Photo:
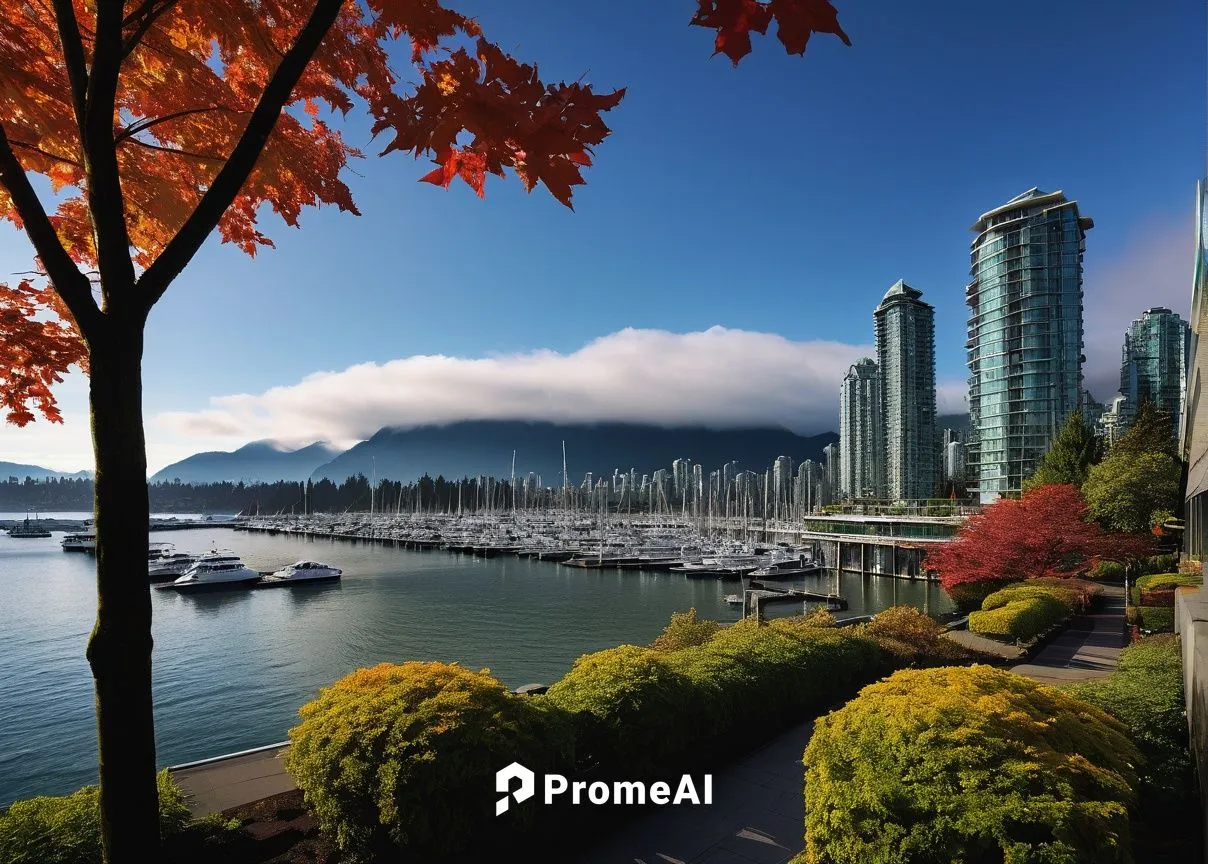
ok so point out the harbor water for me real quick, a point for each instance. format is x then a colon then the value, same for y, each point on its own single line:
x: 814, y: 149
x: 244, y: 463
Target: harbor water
x: 232, y: 668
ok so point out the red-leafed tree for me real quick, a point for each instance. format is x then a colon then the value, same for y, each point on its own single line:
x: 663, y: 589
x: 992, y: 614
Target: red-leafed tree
x: 157, y: 122
x: 1047, y: 532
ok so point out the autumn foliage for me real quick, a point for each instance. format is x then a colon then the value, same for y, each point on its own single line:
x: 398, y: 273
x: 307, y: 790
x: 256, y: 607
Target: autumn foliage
x: 1045, y: 533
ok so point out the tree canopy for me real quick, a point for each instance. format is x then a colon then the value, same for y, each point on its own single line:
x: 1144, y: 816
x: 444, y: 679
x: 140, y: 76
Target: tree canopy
x: 1046, y: 532
x: 1074, y: 451
x: 1138, y: 484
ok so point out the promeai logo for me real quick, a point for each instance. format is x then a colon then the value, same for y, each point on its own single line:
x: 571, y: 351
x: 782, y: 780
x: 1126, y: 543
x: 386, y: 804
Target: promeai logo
x: 600, y: 792
x: 503, y: 783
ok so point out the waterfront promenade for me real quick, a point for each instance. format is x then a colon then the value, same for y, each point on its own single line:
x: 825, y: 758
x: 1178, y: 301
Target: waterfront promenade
x: 758, y: 809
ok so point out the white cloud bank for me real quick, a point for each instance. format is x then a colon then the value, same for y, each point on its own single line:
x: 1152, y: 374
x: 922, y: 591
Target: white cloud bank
x: 718, y: 377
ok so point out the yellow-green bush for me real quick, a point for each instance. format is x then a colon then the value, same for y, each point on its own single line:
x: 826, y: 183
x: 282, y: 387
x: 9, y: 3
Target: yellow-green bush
x: 909, y: 637
x: 969, y: 764
x: 67, y: 829
x: 1020, y: 620
x: 684, y: 631
x: 631, y: 708
x: 1024, y: 590
x: 401, y: 756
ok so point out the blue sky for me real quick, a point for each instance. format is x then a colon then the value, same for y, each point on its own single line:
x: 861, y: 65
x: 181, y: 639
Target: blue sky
x: 782, y: 197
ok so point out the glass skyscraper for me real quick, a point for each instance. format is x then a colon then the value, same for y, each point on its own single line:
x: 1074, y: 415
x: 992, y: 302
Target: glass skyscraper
x: 1025, y: 335
x: 905, y: 334
x: 861, y: 433
x: 1153, y: 363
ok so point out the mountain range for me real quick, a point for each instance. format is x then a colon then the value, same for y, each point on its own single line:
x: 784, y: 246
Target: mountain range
x: 257, y: 462
x: 37, y: 472
x: 474, y: 447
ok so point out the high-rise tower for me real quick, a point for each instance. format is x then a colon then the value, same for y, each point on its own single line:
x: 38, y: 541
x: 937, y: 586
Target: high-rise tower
x: 1025, y: 335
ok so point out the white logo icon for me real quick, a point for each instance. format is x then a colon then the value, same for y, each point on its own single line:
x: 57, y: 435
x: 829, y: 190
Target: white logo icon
x: 503, y: 782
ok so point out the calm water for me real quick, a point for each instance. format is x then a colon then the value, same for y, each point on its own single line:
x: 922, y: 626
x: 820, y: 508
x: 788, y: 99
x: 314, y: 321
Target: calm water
x: 231, y: 669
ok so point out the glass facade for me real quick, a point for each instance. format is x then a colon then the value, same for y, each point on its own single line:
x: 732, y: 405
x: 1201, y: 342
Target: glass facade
x: 1025, y: 335
x: 1193, y: 430
x: 905, y: 333
x: 861, y: 433
x: 1153, y: 364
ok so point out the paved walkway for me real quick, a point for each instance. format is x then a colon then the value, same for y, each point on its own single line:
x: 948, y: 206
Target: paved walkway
x: 1089, y: 648
x: 232, y: 781
x: 757, y: 815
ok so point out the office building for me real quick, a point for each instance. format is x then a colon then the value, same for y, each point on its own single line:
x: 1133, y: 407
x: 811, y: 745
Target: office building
x: 861, y: 433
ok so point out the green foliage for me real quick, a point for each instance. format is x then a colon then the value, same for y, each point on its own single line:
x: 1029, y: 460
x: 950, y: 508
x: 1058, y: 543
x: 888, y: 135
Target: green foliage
x: 67, y: 829
x: 1151, y: 432
x: 1152, y: 619
x: 1020, y: 613
x: 967, y: 765
x: 1125, y: 490
x: 1110, y: 571
x: 911, y: 638
x: 968, y: 596
x: 1157, y: 581
x: 1074, y: 451
x: 1162, y: 564
x: 1145, y: 694
x: 401, y: 756
x: 1068, y: 597
x: 626, y: 701
x: 684, y: 631
x: 1084, y: 590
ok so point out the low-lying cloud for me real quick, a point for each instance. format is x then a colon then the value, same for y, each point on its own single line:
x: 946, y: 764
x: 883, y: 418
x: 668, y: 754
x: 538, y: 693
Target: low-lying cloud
x: 718, y: 377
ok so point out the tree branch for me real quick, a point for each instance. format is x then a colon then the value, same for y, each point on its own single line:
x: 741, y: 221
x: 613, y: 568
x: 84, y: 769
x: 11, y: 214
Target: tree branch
x: 181, y: 249
x: 148, y: 13
x: 202, y: 156
x: 105, y: 202
x: 72, y: 285
x: 147, y: 123
x: 73, y: 57
x: 25, y: 145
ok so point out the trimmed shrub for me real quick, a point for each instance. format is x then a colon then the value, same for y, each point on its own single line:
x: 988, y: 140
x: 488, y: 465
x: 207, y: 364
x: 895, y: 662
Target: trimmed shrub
x: 1108, y: 570
x: 1085, y: 591
x: 1022, y: 619
x: 1068, y: 597
x: 1160, y: 564
x: 1158, y: 589
x: 631, y: 708
x: 1145, y: 693
x: 398, y: 756
x: 968, y: 596
x: 967, y: 764
x: 67, y: 829
x: 909, y: 637
x: 1157, y: 619
x: 684, y: 631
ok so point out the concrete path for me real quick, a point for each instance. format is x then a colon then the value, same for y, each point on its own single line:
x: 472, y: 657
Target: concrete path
x: 757, y: 815
x: 214, y: 785
x: 1089, y: 648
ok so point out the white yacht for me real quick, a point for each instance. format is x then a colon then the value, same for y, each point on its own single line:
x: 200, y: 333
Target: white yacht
x: 218, y: 569
x: 164, y: 563
x: 301, y: 571
x: 81, y: 542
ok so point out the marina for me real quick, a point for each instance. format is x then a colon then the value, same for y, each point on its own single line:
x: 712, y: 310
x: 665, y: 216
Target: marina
x: 231, y: 668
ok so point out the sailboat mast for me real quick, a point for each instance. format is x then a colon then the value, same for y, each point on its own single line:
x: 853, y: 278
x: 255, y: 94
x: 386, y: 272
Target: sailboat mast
x: 513, y: 482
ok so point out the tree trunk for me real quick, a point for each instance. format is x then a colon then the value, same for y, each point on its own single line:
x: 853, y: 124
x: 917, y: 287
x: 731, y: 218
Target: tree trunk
x: 119, y: 650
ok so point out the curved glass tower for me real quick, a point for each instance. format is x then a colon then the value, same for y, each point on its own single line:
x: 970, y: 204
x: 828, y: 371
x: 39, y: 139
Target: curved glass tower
x: 1025, y: 335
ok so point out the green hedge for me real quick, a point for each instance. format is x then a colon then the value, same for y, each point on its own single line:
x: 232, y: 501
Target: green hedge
x: 1026, y: 590
x: 1111, y: 570
x: 1152, y: 619
x: 1020, y: 620
x: 401, y: 756
x: 1160, y: 563
x: 1146, y: 694
x: 910, y: 638
x: 967, y: 764
x: 1157, y: 589
x: 67, y: 829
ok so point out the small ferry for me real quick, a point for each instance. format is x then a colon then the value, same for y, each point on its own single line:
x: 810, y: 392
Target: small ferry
x: 213, y: 571
x: 28, y: 528
x: 84, y: 541
x: 300, y: 572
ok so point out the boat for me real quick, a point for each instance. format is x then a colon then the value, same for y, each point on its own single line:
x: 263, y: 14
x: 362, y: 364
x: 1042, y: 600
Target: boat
x: 215, y: 570
x: 164, y: 563
x: 29, y: 529
x: 300, y: 572
x: 800, y: 566
x: 84, y: 541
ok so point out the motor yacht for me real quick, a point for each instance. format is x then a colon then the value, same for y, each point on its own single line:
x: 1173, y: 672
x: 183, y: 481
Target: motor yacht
x: 300, y: 572
x: 799, y: 566
x: 80, y: 542
x: 217, y: 569
x: 164, y: 563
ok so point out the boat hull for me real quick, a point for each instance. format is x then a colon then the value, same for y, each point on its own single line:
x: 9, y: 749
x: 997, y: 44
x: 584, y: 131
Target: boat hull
x: 266, y: 582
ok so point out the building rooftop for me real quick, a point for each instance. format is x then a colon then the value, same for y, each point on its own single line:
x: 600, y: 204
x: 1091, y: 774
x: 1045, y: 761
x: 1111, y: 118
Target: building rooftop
x: 901, y: 289
x: 1035, y: 198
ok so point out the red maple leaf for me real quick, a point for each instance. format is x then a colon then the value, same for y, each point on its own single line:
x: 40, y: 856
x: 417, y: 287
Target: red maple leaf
x: 736, y: 20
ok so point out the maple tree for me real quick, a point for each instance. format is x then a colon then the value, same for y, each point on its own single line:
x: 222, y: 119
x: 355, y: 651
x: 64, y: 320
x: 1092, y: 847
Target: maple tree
x: 1045, y: 533
x: 157, y: 122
